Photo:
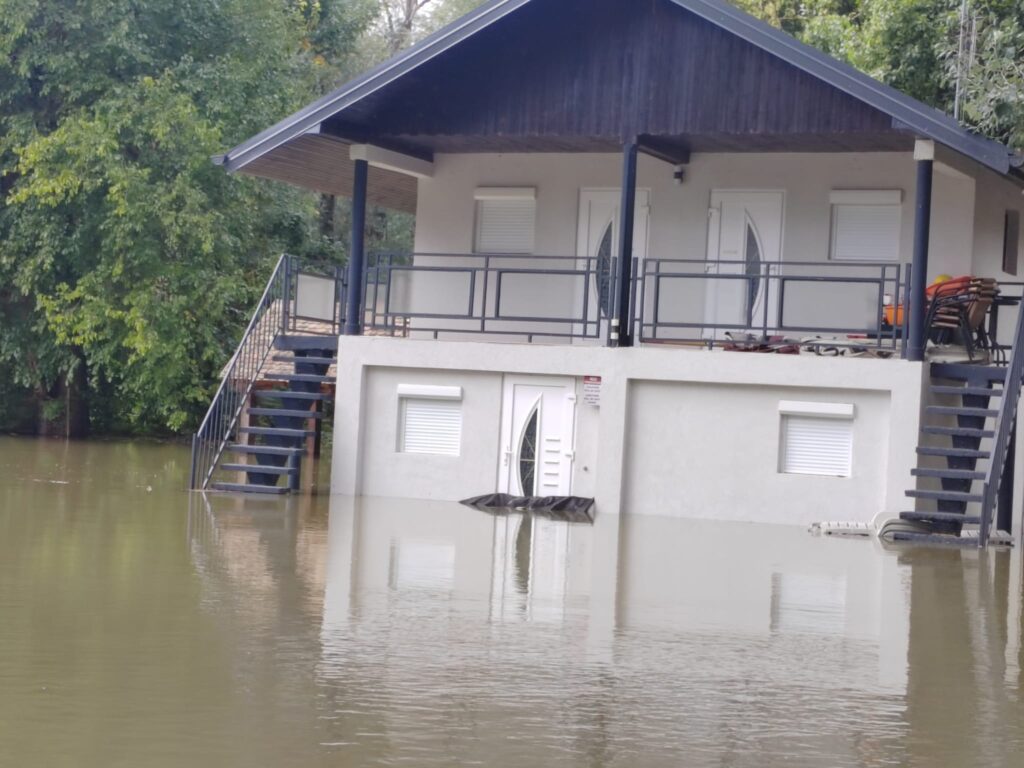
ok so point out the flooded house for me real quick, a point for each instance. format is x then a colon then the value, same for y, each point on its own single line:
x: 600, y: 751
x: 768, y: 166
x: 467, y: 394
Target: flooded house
x: 666, y: 257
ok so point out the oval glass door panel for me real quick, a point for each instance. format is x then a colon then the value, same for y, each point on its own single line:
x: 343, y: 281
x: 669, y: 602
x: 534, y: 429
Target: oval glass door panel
x: 604, y: 271
x: 527, y: 454
x: 753, y: 269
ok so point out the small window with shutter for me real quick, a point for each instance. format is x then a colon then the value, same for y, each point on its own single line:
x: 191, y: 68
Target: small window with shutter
x: 816, y: 438
x: 505, y: 219
x: 866, y: 224
x: 430, y: 420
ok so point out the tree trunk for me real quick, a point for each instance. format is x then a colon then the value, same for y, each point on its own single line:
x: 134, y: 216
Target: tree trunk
x: 63, y: 410
x: 328, y: 203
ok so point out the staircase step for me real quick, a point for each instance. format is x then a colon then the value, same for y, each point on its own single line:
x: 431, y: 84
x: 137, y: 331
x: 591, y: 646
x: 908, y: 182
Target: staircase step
x: 949, y: 474
x: 277, y: 431
x: 941, y: 539
x: 963, y: 496
x: 941, y: 517
x: 961, y: 410
x: 975, y: 391
x: 968, y: 372
x: 311, y: 360
x: 268, y: 450
x: 962, y: 453
x: 250, y: 488
x: 277, y: 394
x: 285, y: 412
x: 310, y: 377
x: 263, y: 469
x: 959, y: 431
x: 314, y: 343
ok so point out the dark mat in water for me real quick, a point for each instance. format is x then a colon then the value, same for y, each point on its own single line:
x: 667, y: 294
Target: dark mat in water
x: 572, y: 509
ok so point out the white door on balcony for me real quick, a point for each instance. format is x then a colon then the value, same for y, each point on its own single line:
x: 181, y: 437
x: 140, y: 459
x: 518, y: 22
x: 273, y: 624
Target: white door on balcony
x: 597, y: 239
x: 744, y: 232
x: 537, y: 426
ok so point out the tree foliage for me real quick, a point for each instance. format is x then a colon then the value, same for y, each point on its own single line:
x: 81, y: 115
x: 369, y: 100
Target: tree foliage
x: 128, y: 262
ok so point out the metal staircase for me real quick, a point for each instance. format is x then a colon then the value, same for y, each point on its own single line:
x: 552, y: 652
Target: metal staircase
x: 268, y: 412
x: 282, y: 426
x: 974, y: 439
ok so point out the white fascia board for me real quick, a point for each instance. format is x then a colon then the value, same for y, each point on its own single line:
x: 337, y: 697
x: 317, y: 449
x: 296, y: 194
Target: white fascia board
x: 505, y: 193
x: 389, y: 160
x: 865, y: 196
x: 822, y: 410
x: 429, y: 391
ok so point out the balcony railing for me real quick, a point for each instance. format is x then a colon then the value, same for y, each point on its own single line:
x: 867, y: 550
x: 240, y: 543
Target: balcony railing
x: 570, y: 297
x: 808, y: 302
x: 530, y: 296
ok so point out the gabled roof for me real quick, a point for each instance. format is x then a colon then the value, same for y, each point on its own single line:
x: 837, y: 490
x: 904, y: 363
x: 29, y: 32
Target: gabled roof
x: 907, y: 113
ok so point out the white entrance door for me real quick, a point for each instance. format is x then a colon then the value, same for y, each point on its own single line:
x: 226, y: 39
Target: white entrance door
x: 744, y: 232
x: 537, y: 427
x: 597, y: 238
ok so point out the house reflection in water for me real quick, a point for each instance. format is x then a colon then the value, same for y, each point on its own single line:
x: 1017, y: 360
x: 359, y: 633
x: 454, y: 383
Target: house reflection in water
x: 448, y: 635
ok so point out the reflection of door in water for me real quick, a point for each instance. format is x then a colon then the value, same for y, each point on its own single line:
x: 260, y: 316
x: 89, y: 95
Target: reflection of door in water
x: 530, y: 568
x: 538, y: 415
x: 598, y: 238
x: 744, y: 232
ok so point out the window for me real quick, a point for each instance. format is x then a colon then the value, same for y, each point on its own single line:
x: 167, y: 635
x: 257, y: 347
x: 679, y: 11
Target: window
x: 1011, y: 241
x: 505, y: 219
x: 866, y: 224
x: 430, y: 420
x: 816, y: 439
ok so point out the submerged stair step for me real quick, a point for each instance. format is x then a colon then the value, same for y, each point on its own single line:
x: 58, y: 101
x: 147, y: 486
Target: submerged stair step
x: 974, y: 391
x: 963, y: 496
x: 285, y: 412
x: 263, y: 469
x: 948, y: 474
x: 941, y: 517
x: 961, y: 453
x: 250, y: 488
x: 267, y: 450
x: 277, y: 431
x: 310, y: 377
x: 959, y: 432
x: 308, y: 359
x: 277, y: 394
x: 961, y: 410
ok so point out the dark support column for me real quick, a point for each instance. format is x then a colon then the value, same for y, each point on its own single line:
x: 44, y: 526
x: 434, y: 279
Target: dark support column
x: 919, y: 275
x: 357, y: 253
x: 622, y: 319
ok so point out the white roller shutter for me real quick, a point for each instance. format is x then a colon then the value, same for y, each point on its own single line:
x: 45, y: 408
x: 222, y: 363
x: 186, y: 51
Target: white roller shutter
x: 431, y: 426
x: 812, y: 445
x: 866, y: 225
x: 505, y: 220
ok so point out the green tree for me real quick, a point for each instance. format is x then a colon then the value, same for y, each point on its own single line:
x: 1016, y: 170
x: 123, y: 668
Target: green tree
x: 128, y: 262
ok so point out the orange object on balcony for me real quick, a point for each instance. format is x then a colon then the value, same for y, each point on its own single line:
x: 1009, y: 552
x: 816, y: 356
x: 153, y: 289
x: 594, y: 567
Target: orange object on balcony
x: 944, y: 285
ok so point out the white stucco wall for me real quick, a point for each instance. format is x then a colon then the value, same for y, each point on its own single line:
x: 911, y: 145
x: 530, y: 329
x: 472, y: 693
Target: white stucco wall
x: 678, y: 219
x: 678, y: 432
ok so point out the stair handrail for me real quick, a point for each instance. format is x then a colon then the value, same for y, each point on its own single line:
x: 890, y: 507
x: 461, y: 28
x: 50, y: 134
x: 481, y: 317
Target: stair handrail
x: 1004, y: 423
x: 210, y: 440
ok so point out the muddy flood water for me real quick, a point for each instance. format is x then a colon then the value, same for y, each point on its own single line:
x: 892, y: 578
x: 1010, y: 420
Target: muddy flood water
x: 141, y: 625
